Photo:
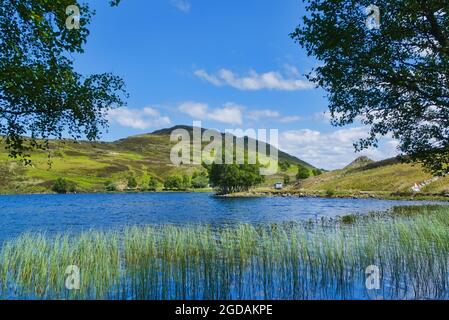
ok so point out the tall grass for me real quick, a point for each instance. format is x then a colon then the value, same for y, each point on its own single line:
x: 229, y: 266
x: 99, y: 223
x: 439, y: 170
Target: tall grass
x: 289, y: 261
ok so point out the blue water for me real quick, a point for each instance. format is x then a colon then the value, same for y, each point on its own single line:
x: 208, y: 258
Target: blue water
x: 78, y: 212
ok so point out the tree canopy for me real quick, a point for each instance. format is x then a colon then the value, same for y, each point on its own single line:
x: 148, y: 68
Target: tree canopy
x: 41, y: 95
x: 230, y: 178
x: 303, y: 173
x: 393, y: 79
x: 63, y: 186
x: 152, y: 184
x: 177, y: 182
x: 200, y: 179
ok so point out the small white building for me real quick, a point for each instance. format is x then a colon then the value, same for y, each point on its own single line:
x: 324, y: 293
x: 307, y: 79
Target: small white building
x: 416, y: 188
x: 278, y: 186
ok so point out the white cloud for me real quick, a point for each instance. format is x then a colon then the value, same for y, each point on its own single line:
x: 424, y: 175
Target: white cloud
x: 194, y: 109
x: 230, y: 113
x: 271, y: 80
x: 181, y: 5
x: 140, y: 119
x: 289, y: 119
x: 291, y: 71
x: 265, y: 113
x: 272, y: 115
x: 332, y: 150
x: 209, y: 78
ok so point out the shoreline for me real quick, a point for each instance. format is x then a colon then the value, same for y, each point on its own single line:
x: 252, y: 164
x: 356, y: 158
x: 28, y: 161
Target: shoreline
x: 264, y: 193
x: 338, y: 195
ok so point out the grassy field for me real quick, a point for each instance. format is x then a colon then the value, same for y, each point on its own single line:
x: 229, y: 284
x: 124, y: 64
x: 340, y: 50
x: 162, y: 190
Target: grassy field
x: 388, y: 176
x: 316, y: 260
x: 91, y: 165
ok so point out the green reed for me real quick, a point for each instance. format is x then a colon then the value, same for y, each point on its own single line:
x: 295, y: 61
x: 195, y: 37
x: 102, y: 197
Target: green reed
x: 274, y: 261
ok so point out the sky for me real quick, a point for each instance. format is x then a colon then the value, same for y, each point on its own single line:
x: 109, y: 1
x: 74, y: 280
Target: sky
x: 229, y: 64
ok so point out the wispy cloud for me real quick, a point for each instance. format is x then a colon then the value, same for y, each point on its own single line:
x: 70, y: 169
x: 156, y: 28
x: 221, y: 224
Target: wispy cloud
x: 181, y: 5
x: 332, y: 150
x: 291, y: 71
x: 273, y: 115
x: 232, y: 113
x: 140, y: 119
x: 263, y: 113
x: 289, y: 119
x: 254, y: 81
x: 229, y: 113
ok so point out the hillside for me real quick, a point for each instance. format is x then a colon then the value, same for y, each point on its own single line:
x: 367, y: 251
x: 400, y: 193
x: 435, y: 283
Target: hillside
x: 383, y: 176
x: 91, y: 165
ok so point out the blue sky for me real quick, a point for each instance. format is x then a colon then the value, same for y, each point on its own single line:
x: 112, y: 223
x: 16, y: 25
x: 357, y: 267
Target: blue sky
x: 229, y: 64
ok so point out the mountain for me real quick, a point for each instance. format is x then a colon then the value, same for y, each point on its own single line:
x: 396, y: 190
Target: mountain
x: 90, y: 165
x: 283, y: 156
x: 363, y: 174
x: 359, y: 163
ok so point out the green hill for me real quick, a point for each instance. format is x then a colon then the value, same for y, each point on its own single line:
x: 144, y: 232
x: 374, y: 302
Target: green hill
x: 90, y: 166
x: 365, y: 175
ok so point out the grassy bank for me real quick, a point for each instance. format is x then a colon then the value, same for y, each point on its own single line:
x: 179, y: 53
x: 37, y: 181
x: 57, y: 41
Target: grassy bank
x: 385, y: 195
x: 387, y: 178
x: 89, y: 166
x: 291, y: 261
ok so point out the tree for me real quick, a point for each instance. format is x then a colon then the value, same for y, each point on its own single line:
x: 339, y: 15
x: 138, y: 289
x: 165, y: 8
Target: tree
x: 230, y: 178
x: 200, y: 180
x: 173, y: 182
x: 111, y: 186
x: 284, y: 165
x: 317, y: 172
x: 152, y: 184
x: 63, y: 186
x: 286, y: 179
x: 132, y: 182
x: 394, y: 79
x: 41, y: 95
x: 186, y: 182
x: 303, y: 173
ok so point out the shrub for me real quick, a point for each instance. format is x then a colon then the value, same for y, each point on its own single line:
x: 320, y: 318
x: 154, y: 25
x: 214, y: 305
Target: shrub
x: 330, y: 193
x: 111, y: 186
x: 173, y: 182
x: 303, y: 173
x: 286, y: 180
x: 63, y: 186
x: 132, y: 182
x: 284, y: 165
x: 152, y: 184
x: 186, y: 182
x: 200, y: 180
x: 317, y: 172
x: 349, y: 219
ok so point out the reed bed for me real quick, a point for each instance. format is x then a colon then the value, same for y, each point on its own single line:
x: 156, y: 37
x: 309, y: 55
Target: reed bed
x: 276, y: 261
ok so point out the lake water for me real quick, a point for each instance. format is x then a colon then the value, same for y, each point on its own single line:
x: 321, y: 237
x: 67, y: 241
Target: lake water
x: 78, y: 212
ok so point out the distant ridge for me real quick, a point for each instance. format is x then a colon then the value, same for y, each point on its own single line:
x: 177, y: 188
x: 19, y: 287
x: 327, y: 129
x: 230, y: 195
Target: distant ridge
x: 282, y: 155
x: 359, y: 163
x: 376, y: 177
x: 168, y: 131
x: 92, y: 165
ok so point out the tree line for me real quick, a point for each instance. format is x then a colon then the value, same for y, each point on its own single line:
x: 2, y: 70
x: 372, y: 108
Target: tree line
x: 224, y: 179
